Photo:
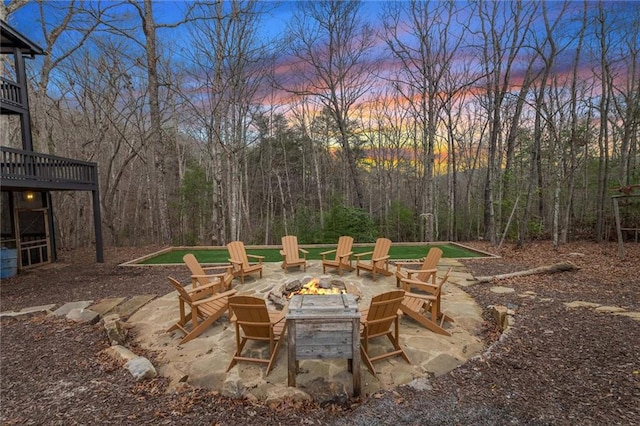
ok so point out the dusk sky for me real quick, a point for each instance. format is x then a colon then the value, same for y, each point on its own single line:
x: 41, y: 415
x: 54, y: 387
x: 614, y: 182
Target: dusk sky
x: 277, y: 15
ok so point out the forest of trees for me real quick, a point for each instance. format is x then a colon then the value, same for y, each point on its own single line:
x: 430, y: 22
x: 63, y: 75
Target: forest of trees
x: 414, y: 120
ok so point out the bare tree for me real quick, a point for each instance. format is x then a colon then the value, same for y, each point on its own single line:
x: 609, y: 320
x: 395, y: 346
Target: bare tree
x: 504, y: 28
x: 7, y: 8
x: 575, y: 138
x: 329, y: 44
x: 105, y: 125
x: 73, y: 17
x: 229, y: 63
x: 304, y: 114
x: 547, y: 50
x: 602, y: 33
x: 426, y: 46
x: 625, y: 92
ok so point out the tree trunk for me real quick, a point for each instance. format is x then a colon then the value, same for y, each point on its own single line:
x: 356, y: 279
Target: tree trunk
x: 548, y: 269
x: 155, y: 130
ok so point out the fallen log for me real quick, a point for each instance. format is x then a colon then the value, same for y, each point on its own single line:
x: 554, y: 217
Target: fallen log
x: 548, y: 269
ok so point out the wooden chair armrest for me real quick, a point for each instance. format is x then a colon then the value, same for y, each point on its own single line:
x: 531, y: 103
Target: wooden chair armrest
x: 221, y: 274
x: 328, y: 252
x: 378, y: 259
x: 358, y: 255
x: 254, y: 256
x: 201, y: 288
x: 235, y: 262
x: 282, y: 253
x: 303, y: 251
x: 408, y: 284
x: 211, y: 268
x: 422, y: 296
x: 419, y: 271
x: 408, y: 263
x: 346, y: 256
x: 215, y: 297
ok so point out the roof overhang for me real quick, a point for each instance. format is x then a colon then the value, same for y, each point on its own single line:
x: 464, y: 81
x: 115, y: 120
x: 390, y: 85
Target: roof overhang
x: 11, y: 39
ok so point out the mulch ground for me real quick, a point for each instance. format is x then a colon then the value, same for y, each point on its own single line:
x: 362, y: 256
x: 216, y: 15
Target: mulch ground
x: 555, y: 366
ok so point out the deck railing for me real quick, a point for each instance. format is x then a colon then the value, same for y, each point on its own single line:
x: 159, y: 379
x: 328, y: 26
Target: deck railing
x: 26, y: 169
x: 10, y: 92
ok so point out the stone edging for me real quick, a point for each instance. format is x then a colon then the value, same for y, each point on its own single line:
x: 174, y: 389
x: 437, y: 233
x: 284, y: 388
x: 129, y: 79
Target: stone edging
x: 139, y: 367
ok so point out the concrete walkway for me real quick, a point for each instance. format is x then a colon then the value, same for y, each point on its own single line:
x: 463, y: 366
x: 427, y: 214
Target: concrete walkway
x: 203, y: 361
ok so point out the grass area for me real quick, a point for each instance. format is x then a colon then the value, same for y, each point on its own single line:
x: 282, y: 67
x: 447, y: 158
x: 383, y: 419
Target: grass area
x: 221, y: 255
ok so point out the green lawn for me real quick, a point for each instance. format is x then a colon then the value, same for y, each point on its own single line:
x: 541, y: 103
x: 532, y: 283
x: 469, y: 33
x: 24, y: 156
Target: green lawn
x: 221, y: 255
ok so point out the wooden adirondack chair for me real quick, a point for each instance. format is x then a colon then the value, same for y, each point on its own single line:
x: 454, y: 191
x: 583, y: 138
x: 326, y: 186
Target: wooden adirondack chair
x: 376, y: 321
x: 342, y: 258
x: 253, y: 321
x: 379, y: 262
x: 199, y: 276
x: 240, y: 260
x: 424, y: 307
x: 205, y: 308
x: 291, y: 253
x: 428, y: 268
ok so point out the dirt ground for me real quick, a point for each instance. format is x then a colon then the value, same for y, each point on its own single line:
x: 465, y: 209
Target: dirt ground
x: 557, y: 365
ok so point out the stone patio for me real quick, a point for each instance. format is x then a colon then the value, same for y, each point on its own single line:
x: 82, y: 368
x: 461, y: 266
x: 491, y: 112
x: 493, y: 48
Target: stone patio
x: 202, y: 362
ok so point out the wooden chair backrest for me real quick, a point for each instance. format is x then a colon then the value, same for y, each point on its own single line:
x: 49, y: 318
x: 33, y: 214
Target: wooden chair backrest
x: 237, y: 253
x: 430, y: 262
x: 195, y: 268
x: 383, y: 310
x: 180, y: 289
x: 381, y: 248
x: 345, y: 243
x: 252, y: 316
x: 290, y: 247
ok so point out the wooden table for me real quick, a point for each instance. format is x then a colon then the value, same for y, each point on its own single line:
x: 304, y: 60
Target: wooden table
x: 323, y: 327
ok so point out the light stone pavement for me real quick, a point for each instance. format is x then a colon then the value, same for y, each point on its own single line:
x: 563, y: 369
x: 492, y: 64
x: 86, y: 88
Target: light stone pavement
x: 203, y: 361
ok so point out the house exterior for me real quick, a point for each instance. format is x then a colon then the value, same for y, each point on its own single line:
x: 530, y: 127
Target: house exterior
x: 28, y: 178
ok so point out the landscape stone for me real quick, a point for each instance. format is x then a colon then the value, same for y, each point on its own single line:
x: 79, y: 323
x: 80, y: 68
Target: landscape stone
x: 119, y: 353
x: 26, y: 312
x: 113, y: 328
x: 63, y: 310
x: 130, y: 306
x: 279, y: 394
x: 83, y: 315
x: 581, y: 304
x: 141, y: 368
x: 174, y: 375
x: 105, y: 305
x: 442, y: 364
x: 502, y: 290
x: 324, y: 391
x: 421, y: 384
x: 232, y: 386
x: 499, y: 315
x: 609, y: 309
x: 632, y: 315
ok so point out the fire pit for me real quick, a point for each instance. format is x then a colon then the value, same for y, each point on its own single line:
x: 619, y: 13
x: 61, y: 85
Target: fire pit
x: 324, y: 285
x: 323, y: 327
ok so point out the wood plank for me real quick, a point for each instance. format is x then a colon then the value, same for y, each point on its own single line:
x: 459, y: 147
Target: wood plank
x: 331, y: 352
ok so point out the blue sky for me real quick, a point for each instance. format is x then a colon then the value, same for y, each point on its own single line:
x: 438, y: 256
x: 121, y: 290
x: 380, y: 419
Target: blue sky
x: 278, y: 14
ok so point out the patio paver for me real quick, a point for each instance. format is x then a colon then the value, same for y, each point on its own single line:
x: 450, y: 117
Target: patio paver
x: 205, y: 358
